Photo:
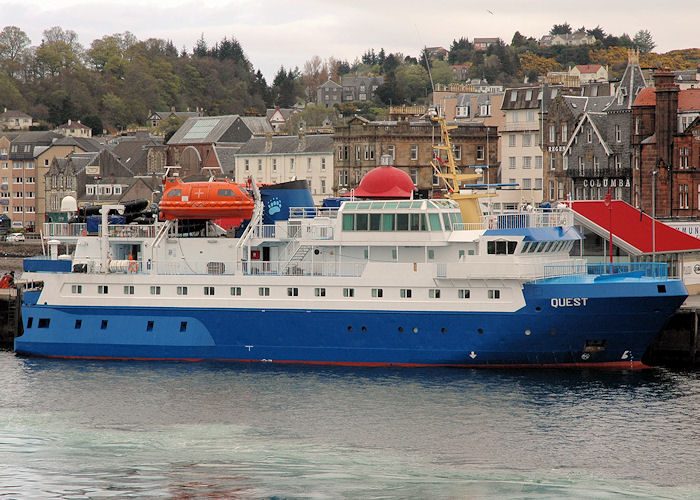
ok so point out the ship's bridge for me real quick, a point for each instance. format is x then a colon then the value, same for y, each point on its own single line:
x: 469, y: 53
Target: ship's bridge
x: 409, y: 215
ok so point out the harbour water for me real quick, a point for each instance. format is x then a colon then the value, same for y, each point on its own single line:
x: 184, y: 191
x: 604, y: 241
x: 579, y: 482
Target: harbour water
x: 83, y: 429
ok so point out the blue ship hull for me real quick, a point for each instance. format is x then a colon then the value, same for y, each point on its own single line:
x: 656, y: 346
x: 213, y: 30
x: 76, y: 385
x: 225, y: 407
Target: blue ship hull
x: 613, y: 326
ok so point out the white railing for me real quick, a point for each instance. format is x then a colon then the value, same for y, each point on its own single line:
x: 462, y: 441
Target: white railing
x: 131, y: 231
x: 532, y: 218
x: 305, y: 268
x: 311, y: 212
x: 265, y: 231
x: 73, y: 230
x: 64, y: 229
x: 188, y: 266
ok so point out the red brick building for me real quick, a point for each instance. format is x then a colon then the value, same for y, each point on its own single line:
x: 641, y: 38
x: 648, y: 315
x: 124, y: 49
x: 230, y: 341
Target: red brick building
x: 666, y: 149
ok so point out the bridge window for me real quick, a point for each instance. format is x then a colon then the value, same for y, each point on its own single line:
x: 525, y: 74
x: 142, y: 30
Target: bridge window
x: 236, y: 291
x: 348, y: 292
x: 406, y: 293
x: 128, y: 289
x: 264, y: 291
x: 182, y: 290
x: 377, y: 293
x: 320, y: 292
x: 292, y: 292
x: 434, y: 293
x: 463, y: 293
x: 501, y: 247
x: 494, y: 294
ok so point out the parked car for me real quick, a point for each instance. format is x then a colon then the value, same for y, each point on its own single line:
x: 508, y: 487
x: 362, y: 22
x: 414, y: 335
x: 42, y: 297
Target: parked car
x: 15, y: 237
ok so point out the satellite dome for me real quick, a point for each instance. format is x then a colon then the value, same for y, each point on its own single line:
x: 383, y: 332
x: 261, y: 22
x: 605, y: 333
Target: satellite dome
x: 385, y: 182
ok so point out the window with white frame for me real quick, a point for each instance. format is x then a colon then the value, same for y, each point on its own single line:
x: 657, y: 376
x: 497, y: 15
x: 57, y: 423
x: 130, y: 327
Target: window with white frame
x: 511, y: 140
x: 392, y: 151
x: 527, y: 161
x: 552, y: 133
x: 618, y: 133
x: 683, y: 198
x: 589, y: 134
x: 527, y: 140
x: 414, y: 152
x: 323, y: 164
x: 457, y: 152
x: 480, y: 152
x: 538, y: 162
x: 564, y: 132
x: 511, y: 162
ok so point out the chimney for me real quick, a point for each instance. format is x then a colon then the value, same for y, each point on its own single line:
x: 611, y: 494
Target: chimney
x: 302, y: 141
x: 666, y: 113
x: 268, y: 142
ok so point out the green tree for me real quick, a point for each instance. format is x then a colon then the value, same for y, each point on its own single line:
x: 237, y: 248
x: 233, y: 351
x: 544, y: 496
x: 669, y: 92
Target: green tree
x: 644, y: 41
x: 560, y: 29
x: 12, y: 42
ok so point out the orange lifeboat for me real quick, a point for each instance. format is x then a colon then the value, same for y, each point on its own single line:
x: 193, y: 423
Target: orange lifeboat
x: 205, y: 200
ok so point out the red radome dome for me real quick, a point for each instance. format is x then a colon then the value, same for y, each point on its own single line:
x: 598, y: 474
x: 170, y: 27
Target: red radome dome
x: 385, y: 182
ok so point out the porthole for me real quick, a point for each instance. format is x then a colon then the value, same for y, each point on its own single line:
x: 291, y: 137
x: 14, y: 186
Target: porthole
x: 527, y: 332
x: 553, y: 332
x: 349, y: 328
x: 415, y: 329
x: 401, y: 328
x: 444, y: 330
x: 538, y: 308
x: 364, y: 328
x: 480, y: 330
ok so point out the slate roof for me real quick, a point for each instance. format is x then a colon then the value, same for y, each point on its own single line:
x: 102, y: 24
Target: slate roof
x: 286, y: 112
x: 227, y: 157
x: 288, y: 145
x: 13, y: 113
x: 257, y: 124
x: 630, y: 85
x: 72, y: 124
x: 84, y: 143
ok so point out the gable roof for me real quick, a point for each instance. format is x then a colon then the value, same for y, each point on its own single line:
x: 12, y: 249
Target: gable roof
x: 631, y: 84
x: 631, y: 228
x: 198, y: 130
x: 597, y: 122
x: 84, y: 143
x: 257, y: 124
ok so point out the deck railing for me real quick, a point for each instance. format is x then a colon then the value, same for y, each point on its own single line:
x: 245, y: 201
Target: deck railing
x: 658, y: 270
x: 311, y: 212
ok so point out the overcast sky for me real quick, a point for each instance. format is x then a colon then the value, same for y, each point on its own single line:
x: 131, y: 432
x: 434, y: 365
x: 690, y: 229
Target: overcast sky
x: 276, y: 33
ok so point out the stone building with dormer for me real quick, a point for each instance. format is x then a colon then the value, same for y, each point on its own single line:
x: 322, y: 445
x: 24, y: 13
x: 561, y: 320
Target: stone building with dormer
x: 360, y: 143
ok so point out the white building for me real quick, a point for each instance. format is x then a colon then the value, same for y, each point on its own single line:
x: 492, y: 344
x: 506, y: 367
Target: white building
x: 273, y: 159
x: 521, y: 155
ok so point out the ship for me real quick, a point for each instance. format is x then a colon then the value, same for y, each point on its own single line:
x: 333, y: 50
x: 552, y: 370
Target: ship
x: 369, y: 282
